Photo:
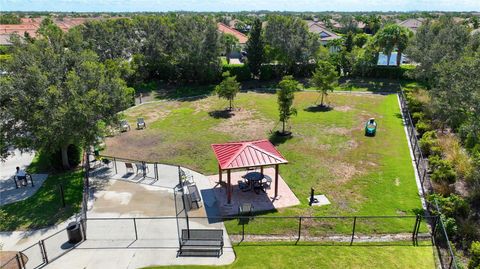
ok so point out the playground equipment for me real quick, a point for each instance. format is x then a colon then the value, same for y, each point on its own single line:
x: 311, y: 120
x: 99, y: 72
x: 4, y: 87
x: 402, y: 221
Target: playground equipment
x: 370, y: 127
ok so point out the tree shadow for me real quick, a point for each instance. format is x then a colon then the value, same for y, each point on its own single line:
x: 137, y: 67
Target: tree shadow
x: 318, y: 108
x: 276, y: 138
x: 221, y: 114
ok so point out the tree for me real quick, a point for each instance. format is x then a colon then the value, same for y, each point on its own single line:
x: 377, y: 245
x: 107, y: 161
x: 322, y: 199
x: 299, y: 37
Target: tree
x: 349, y: 42
x: 230, y: 44
x: 456, y: 95
x: 324, y: 79
x: 434, y: 42
x: 360, y: 40
x: 285, y: 95
x: 290, y: 42
x: 228, y: 88
x: 255, y: 48
x: 54, y: 96
x: 390, y: 37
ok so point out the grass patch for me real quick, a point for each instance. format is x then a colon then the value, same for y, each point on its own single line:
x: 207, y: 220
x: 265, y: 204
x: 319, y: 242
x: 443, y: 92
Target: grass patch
x: 44, y: 208
x: 328, y: 151
x: 277, y: 255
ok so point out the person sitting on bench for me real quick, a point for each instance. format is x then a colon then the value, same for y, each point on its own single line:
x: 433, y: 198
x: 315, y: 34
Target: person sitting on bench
x: 21, y: 176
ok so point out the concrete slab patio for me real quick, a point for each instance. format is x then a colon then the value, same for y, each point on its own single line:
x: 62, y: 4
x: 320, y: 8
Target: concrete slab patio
x: 131, y: 222
x: 261, y: 202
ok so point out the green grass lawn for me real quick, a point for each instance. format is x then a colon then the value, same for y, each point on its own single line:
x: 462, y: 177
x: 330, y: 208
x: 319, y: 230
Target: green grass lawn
x: 44, y: 208
x: 329, y: 152
x: 274, y: 255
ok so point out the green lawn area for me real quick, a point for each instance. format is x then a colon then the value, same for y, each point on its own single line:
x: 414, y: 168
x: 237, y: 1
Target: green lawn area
x: 274, y: 255
x: 329, y: 152
x: 44, y: 208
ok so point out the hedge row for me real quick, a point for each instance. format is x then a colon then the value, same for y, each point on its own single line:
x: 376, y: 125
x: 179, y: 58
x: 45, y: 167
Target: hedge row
x: 267, y: 71
x: 391, y: 72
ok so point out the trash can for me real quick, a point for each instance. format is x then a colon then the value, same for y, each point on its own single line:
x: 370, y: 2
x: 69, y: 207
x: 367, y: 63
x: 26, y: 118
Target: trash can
x: 74, y: 232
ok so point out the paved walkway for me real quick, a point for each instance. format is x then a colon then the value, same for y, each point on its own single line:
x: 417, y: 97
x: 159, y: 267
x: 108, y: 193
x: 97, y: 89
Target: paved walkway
x: 124, y: 242
x: 8, y: 191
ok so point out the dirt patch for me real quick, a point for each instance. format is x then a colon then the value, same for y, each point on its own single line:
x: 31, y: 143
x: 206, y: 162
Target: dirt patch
x: 132, y: 144
x: 352, y: 144
x: 244, y: 124
x: 343, y: 172
x: 343, y: 108
x: 203, y: 105
x: 314, y: 143
x: 337, y: 130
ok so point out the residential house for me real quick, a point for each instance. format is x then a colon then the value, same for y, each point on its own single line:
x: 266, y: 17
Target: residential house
x: 325, y: 35
x: 412, y: 24
x: 30, y: 26
x: 242, y: 38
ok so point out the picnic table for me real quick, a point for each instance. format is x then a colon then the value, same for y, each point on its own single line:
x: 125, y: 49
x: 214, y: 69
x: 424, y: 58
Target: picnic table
x: 254, y: 179
x: 254, y: 176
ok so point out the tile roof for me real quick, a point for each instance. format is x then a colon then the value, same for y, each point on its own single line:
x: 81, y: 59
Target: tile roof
x: 242, y: 39
x: 325, y: 34
x: 247, y: 154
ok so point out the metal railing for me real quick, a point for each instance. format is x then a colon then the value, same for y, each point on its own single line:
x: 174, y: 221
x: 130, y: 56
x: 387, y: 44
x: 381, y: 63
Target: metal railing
x: 42, y: 253
x: 439, y: 235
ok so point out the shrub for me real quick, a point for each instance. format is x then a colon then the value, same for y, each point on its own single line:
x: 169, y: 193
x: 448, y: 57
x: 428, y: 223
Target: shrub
x: 423, y: 126
x: 450, y: 225
x: 417, y: 116
x: 414, y: 105
x: 428, y: 143
x: 241, y: 71
x: 451, y: 206
x: 469, y: 229
x: 474, y: 262
x: 444, y: 173
x: 269, y: 71
x: 392, y: 72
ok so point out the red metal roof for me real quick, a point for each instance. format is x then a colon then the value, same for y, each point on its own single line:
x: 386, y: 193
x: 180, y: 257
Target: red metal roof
x: 247, y: 154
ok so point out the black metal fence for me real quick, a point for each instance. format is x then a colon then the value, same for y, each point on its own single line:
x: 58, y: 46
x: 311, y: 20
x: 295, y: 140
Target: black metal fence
x: 41, y: 253
x: 439, y: 235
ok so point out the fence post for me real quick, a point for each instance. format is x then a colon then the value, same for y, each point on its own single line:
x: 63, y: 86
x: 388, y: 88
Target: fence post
x: 156, y: 171
x: 115, y: 164
x: 43, y: 251
x: 299, y: 229
x: 19, y: 264
x: 243, y: 230
x: 353, y: 229
x: 414, y: 230
x: 135, y: 226
x: 144, y: 165
x: 62, y: 195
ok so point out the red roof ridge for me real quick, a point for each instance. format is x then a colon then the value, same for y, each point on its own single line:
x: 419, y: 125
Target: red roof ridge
x: 267, y: 150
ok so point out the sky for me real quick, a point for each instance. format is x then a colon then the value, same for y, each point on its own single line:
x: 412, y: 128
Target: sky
x: 238, y: 5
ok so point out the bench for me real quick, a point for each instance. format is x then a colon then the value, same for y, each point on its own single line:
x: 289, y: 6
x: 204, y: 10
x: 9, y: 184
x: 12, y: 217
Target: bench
x: 194, y: 195
x: 201, y: 242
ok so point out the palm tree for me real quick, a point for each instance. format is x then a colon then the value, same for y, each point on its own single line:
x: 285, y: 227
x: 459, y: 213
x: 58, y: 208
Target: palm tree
x: 390, y: 37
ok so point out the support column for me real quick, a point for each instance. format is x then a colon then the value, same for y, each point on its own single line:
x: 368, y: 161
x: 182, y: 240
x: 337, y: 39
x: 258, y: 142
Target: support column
x: 229, y: 187
x: 276, y: 180
x: 219, y: 174
x: 261, y: 170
